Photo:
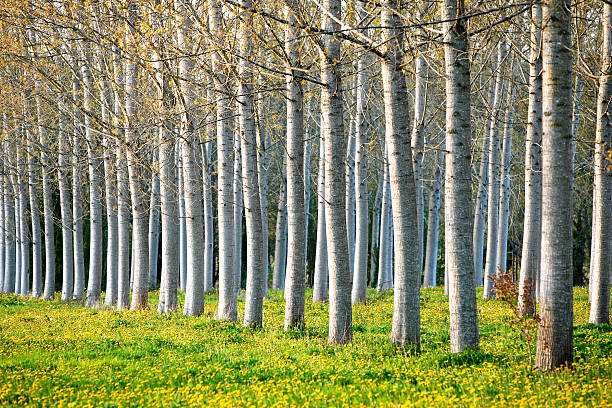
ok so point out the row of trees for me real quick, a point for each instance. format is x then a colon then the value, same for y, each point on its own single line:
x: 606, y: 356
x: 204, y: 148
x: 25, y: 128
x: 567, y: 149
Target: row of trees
x: 133, y: 121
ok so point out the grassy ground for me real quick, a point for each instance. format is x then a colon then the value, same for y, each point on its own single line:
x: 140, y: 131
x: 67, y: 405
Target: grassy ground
x: 54, y: 354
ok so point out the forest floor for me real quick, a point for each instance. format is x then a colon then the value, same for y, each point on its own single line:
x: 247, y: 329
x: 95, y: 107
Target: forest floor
x: 57, y: 354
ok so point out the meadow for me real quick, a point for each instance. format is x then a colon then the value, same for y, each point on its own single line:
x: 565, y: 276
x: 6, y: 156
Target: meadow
x: 58, y: 354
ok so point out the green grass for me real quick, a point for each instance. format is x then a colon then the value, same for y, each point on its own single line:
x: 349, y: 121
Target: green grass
x: 56, y: 354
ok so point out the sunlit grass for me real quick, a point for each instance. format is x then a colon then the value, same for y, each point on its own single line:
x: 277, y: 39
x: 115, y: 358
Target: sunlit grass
x: 55, y: 354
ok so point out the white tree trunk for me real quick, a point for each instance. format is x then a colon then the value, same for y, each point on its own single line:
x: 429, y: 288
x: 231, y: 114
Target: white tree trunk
x: 65, y: 209
x: 37, y: 268
x: 123, y: 193
x: 504, y: 193
x: 140, y: 216
x: 77, y: 192
x: 532, y: 221
x: 332, y: 129
x: 238, y: 208
x: 375, y: 238
x: 457, y: 189
x: 480, y: 214
x: 601, y: 255
x: 154, y: 227
x: 360, y: 268
x: 407, y: 267
x: 433, y: 226
x: 207, y: 170
x: 24, y: 233
x: 555, y: 332
x: 493, y: 194
x: 227, y: 309
x: 256, y: 273
x: 383, y: 246
x: 321, y: 281
x: 280, y: 247
x: 190, y: 153
x: 96, y: 176
x: 168, y: 198
x: 295, y: 284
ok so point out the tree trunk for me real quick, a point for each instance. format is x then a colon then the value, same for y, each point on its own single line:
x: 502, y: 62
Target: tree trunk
x: 227, y: 309
x: 504, y: 193
x: 360, y: 268
x: 238, y: 208
x: 77, y: 192
x: 601, y: 255
x: 168, y: 199
x: 295, y: 283
x: 457, y: 190
x: 194, y: 293
x: 24, y: 233
x: 123, y: 193
x: 478, y: 234
x: 154, y: 228
x: 407, y: 269
x: 555, y: 332
x: 256, y: 273
x: 493, y: 194
x: 321, y: 280
x: 433, y: 226
x: 66, y: 212
x: 340, y: 312
x: 532, y: 221
x: 37, y: 272
x: 280, y: 247
x: 376, y: 220
x: 383, y: 247
x: 96, y: 214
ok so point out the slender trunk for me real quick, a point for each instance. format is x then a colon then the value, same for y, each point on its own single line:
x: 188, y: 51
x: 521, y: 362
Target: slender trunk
x: 96, y: 214
x: 256, y: 274
x: 3, y: 271
x: 360, y: 268
x: 37, y: 271
x: 457, y: 189
x: 493, y: 194
x: 77, y: 193
x: 263, y: 163
x: 418, y: 131
x: 320, y: 284
x: 194, y: 294
x: 376, y: 230
x: 207, y: 170
x: 24, y: 234
x: 168, y: 198
x: 238, y: 209
x: 407, y: 267
x: 555, y: 332
x: 123, y: 193
x: 478, y: 234
x: 340, y: 312
x: 532, y: 221
x: 350, y: 194
x: 66, y: 212
x: 227, y: 309
x: 383, y: 283
x: 295, y: 284
x: 280, y: 247
x: 433, y: 225
x: 601, y: 255
x: 504, y: 193
x: 9, y: 240
x: 182, y: 222
x: 154, y: 229
x: 140, y: 216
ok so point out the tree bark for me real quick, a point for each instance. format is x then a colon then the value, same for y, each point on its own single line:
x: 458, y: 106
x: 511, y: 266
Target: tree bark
x: 406, y: 300
x: 532, y: 221
x: 295, y: 283
x: 321, y: 279
x: 601, y: 256
x: 433, y: 226
x: 555, y: 332
x: 457, y: 190
x: 340, y: 312
x: 493, y: 194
